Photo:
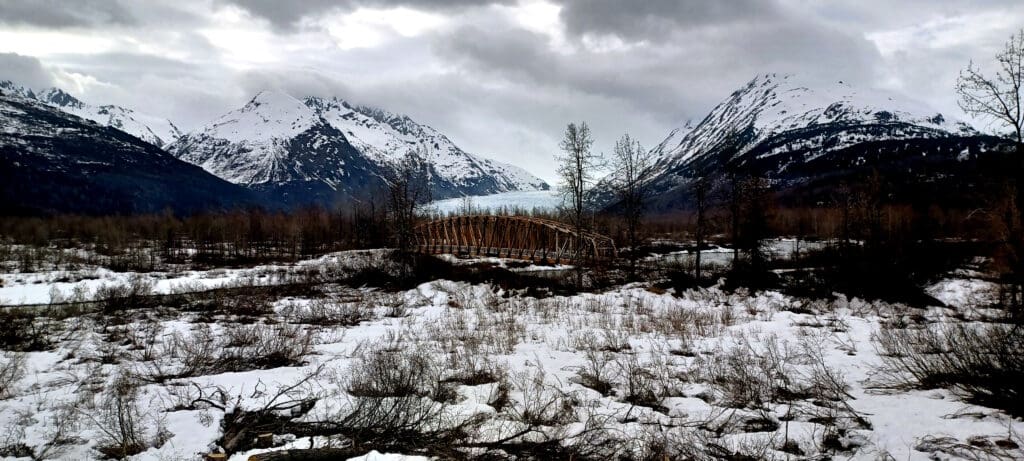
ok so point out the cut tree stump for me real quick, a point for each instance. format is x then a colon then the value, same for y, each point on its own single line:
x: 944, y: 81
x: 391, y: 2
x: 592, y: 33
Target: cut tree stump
x: 265, y: 440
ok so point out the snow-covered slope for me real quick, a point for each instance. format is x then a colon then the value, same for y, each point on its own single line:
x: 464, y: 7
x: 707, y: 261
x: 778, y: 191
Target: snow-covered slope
x: 249, y: 145
x: 387, y: 137
x: 55, y: 162
x: 347, y: 149
x: 779, y: 127
x: 154, y: 130
x: 772, y: 105
x: 277, y: 144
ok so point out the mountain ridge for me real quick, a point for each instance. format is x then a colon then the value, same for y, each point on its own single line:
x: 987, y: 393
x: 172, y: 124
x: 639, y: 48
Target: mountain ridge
x: 253, y: 146
x: 795, y: 134
x: 152, y: 129
x: 55, y: 162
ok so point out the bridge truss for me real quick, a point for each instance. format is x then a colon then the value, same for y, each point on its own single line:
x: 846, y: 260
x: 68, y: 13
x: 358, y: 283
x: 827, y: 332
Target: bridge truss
x: 517, y: 237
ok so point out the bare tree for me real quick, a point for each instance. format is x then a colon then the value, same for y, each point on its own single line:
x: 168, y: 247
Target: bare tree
x: 632, y: 174
x: 701, y: 186
x: 577, y: 165
x: 734, y: 195
x: 754, y: 206
x: 408, y: 189
x: 997, y: 97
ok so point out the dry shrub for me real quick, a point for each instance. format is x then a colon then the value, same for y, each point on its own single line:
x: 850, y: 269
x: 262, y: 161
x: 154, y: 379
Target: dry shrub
x: 12, y: 369
x: 328, y: 312
x: 982, y: 362
x: 60, y: 432
x: 536, y: 404
x: 747, y: 377
x: 24, y: 331
x: 974, y: 448
x: 397, y: 400
x: 478, y: 330
x: 473, y: 369
x: 249, y: 303
x: 762, y: 376
x: 237, y: 348
x: 265, y: 346
x: 642, y: 384
x: 595, y: 372
x: 126, y: 427
x: 136, y: 293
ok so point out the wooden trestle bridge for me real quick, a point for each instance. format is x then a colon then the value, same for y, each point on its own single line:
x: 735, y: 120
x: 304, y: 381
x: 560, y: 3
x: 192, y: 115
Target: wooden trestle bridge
x: 516, y: 237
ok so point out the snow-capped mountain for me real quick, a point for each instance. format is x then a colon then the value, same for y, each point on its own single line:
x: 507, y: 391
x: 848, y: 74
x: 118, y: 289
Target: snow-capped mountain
x: 781, y: 128
x: 387, y: 137
x: 278, y: 145
x: 52, y: 161
x: 154, y: 130
x: 332, y: 150
x: 772, y: 105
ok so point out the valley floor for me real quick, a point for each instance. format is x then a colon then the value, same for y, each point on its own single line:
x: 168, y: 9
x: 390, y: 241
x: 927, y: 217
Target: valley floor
x: 634, y: 372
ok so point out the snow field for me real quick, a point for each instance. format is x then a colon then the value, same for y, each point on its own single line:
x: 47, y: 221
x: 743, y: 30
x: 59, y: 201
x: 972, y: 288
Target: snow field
x: 766, y: 375
x: 546, y: 200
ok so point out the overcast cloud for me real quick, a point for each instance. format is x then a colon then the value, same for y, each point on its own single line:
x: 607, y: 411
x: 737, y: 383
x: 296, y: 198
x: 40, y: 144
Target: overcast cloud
x: 500, y: 78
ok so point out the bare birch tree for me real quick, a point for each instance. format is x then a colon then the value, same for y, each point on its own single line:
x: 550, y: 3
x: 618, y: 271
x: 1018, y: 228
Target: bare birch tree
x: 408, y: 189
x: 997, y: 97
x: 577, y: 167
x: 632, y: 174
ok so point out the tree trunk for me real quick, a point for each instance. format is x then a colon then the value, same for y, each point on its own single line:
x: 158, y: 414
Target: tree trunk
x: 313, y: 454
x: 701, y: 205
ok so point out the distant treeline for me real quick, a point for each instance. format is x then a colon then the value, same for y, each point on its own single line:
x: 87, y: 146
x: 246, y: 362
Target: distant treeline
x: 259, y: 234
x: 224, y: 237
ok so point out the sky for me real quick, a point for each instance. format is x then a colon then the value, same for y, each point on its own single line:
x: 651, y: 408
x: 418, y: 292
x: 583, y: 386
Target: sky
x: 503, y: 78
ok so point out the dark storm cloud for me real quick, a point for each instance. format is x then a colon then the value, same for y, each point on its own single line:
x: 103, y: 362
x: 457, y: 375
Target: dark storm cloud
x: 634, y: 78
x: 24, y: 70
x: 60, y: 14
x: 657, y: 18
x: 687, y: 72
x: 284, y: 14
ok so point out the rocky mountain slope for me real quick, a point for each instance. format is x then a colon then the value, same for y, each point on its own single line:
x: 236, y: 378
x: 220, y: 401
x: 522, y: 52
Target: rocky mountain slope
x: 387, y: 137
x: 154, y: 130
x: 799, y: 135
x: 55, y: 162
x: 278, y: 145
x: 335, y: 151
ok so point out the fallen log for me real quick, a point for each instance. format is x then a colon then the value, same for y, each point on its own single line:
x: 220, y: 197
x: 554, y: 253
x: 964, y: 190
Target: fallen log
x: 310, y: 454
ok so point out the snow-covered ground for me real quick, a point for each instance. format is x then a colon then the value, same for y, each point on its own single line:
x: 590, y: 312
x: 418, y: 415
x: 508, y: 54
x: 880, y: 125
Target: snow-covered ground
x: 42, y: 287
x: 717, y: 256
x: 545, y: 200
x: 676, y: 366
x: 48, y: 286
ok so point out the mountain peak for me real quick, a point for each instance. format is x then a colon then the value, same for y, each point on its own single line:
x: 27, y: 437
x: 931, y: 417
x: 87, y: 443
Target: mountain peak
x: 771, y: 105
x: 278, y: 141
x: 800, y: 131
x: 784, y: 101
x: 269, y: 115
x: 273, y: 102
x: 153, y: 130
x: 60, y: 98
x: 13, y: 89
